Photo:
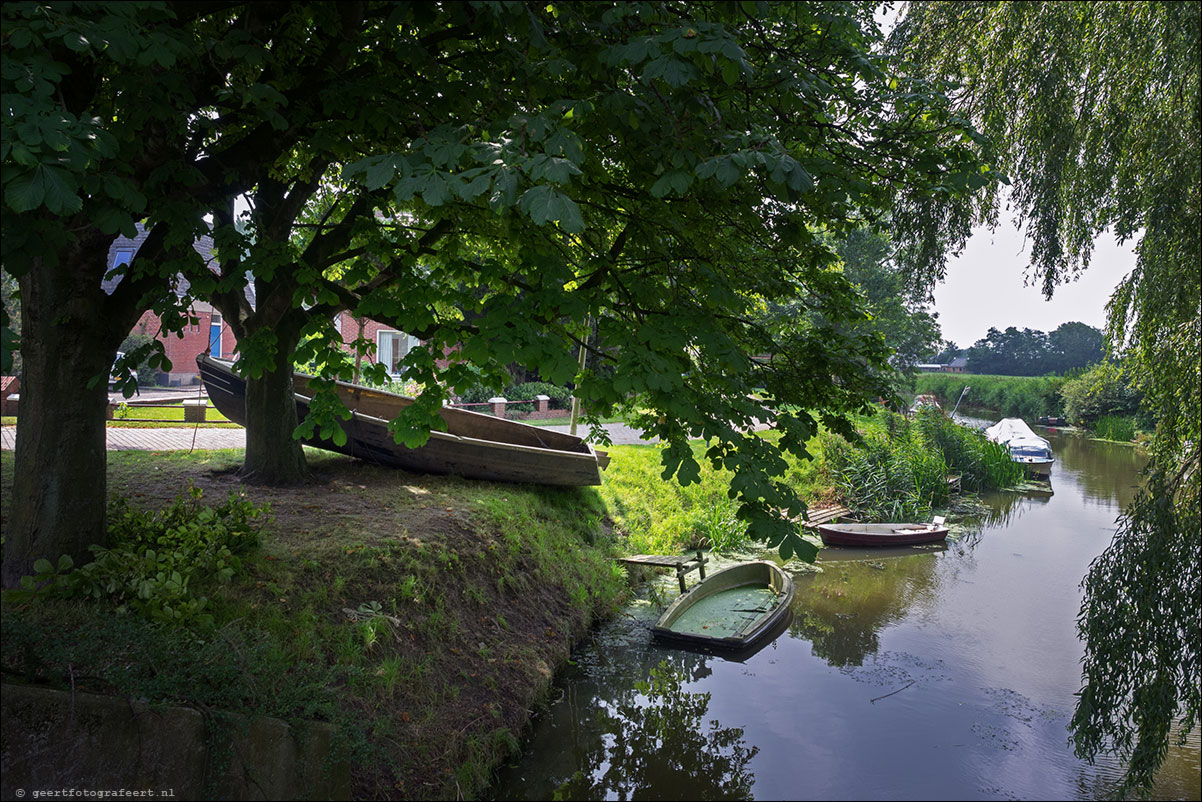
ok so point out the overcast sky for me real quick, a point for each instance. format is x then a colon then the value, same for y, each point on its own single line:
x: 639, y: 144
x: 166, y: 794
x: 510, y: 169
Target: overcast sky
x: 986, y: 287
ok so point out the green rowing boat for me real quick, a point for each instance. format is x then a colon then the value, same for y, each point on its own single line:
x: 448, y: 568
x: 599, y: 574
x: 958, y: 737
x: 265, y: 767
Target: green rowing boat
x: 731, y: 610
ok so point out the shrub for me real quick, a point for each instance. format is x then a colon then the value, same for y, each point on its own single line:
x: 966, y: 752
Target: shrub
x: 560, y: 396
x: 1115, y: 427
x: 1099, y: 392
x: 899, y: 470
x: 158, y: 562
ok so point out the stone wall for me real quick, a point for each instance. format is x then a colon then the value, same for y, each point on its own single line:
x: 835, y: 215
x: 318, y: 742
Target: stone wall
x: 55, y: 741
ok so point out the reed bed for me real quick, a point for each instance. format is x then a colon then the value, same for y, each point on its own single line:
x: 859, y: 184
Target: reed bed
x: 899, y: 469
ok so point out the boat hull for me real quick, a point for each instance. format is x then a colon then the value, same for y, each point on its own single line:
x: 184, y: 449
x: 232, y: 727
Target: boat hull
x: 732, y: 610
x: 886, y: 534
x: 474, y: 446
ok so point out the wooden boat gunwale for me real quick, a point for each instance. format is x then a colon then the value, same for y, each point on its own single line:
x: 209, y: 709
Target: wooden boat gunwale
x: 726, y: 579
x: 368, y: 436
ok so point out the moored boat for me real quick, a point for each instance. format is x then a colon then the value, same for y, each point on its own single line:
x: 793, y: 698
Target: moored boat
x: 731, y: 610
x: 475, y: 446
x: 1027, y: 448
x: 884, y: 534
x: 922, y: 402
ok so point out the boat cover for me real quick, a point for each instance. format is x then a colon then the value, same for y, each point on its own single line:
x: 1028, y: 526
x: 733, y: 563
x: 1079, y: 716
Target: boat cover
x: 1014, y: 432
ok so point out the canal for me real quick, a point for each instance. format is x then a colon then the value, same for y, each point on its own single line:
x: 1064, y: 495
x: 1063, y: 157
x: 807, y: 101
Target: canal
x: 925, y: 673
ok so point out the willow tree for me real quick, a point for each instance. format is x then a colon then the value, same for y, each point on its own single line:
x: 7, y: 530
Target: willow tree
x: 1094, y: 108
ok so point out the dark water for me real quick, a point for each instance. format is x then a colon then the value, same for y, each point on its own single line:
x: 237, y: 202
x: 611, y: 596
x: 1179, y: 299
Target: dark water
x: 914, y: 674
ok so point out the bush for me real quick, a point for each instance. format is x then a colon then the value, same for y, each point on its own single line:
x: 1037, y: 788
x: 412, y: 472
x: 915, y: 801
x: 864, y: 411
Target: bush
x: 899, y: 470
x: 561, y: 397
x: 1115, y: 427
x: 1099, y: 392
x: 142, y: 344
x: 157, y: 563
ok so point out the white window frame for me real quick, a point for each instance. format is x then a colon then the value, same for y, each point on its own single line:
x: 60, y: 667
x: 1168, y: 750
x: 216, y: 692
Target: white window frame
x: 384, y: 353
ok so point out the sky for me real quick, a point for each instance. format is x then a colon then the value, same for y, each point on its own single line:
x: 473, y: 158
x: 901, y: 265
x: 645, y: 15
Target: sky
x: 985, y: 286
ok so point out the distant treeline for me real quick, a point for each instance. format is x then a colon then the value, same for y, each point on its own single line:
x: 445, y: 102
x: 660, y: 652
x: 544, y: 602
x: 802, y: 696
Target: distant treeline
x: 1033, y: 353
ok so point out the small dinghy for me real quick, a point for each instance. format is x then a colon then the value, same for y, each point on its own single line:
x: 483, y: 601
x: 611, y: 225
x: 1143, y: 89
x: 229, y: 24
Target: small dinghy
x: 732, y: 609
x: 888, y: 534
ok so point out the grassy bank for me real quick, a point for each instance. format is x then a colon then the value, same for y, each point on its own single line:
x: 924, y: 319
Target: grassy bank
x: 1026, y: 397
x: 424, y: 616
x: 657, y: 517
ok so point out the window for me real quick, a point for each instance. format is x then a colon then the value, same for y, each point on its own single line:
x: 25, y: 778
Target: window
x: 122, y: 256
x: 391, y: 348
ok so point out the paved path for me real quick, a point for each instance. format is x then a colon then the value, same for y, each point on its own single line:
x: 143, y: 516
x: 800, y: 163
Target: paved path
x: 173, y: 439
x: 181, y: 439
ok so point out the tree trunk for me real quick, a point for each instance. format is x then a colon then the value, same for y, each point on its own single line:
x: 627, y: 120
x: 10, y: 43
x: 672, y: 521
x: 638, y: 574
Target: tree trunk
x: 58, y: 503
x: 273, y: 457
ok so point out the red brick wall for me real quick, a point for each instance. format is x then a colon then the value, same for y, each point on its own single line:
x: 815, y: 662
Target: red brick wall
x: 182, y: 348
x: 350, y: 331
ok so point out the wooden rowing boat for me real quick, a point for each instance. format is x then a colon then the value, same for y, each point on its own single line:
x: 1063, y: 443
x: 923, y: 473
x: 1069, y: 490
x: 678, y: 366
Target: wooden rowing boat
x: 887, y: 534
x: 731, y: 610
x: 475, y: 446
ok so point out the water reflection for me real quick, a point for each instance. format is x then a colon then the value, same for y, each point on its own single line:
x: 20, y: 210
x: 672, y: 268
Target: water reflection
x: 1107, y: 473
x: 655, y: 735
x: 842, y: 610
x: 943, y: 673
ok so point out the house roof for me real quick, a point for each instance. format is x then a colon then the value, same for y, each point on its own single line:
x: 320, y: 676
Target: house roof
x: 203, y: 246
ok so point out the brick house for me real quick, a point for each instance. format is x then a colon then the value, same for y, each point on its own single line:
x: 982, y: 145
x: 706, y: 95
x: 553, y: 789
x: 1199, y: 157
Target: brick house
x: 206, y: 329
x: 203, y: 330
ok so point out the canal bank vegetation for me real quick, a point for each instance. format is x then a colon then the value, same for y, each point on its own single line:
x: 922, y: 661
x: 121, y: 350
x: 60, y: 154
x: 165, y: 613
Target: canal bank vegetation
x: 424, y: 616
x: 1027, y: 397
x: 1100, y: 399
x: 899, y: 469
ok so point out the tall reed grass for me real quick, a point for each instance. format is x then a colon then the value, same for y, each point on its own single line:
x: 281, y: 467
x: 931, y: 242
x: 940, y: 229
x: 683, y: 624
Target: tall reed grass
x: 899, y: 470
x: 1013, y: 396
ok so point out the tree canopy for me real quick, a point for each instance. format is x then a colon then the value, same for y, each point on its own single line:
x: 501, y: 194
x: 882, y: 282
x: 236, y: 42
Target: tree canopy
x: 491, y: 177
x: 1033, y: 353
x: 1094, y: 109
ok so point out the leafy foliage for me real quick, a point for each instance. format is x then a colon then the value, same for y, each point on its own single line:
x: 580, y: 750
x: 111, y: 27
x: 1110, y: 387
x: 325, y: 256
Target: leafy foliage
x: 1104, y: 390
x: 1094, y: 108
x: 158, y: 563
